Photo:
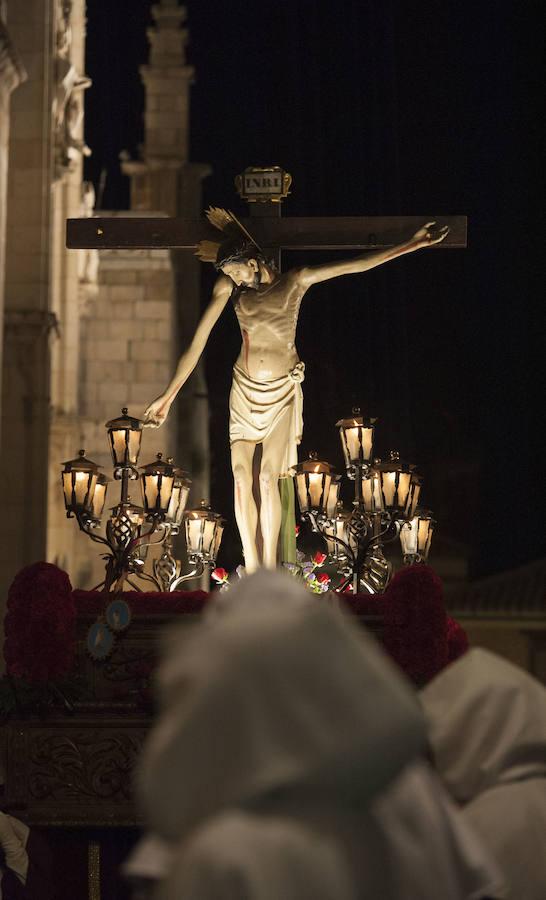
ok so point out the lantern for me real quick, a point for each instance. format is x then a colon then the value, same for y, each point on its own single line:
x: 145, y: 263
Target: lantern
x: 395, y: 480
x: 157, y: 486
x: 204, y: 529
x: 125, y: 434
x: 79, y: 480
x: 179, y: 497
x: 99, y: 496
x: 313, y: 479
x: 416, y: 536
x: 356, y: 436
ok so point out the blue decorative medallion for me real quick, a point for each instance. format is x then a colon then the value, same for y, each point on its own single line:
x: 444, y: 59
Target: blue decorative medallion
x: 100, y: 641
x: 118, y: 615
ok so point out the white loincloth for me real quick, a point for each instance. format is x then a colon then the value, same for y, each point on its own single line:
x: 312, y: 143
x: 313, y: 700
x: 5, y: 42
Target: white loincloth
x: 255, y: 408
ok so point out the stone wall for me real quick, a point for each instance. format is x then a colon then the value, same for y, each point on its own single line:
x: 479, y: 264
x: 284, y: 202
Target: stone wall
x: 126, y: 359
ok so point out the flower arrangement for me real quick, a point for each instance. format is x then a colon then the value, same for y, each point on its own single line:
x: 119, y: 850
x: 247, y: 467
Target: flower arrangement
x: 39, y: 624
x: 305, y: 569
x: 42, y: 609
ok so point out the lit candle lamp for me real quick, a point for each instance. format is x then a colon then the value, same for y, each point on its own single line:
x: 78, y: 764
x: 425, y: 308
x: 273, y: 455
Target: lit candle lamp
x: 313, y: 480
x: 356, y: 434
x: 125, y: 435
x: 157, y: 486
x: 79, y: 480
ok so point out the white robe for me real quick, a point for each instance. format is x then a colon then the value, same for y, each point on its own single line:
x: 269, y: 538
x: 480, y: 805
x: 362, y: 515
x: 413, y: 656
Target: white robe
x: 487, y: 726
x: 267, y: 774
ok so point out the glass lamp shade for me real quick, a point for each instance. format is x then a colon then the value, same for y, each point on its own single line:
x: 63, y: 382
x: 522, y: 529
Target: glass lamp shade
x: 179, y: 497
x: 204, y: 529
x: 125, y: 435
x: 339, y: 526
x: 157, y: 486
x: 79, y: 480
x: 395, y: 483
x: 99, y: 496
x: 313, y: 480
x: 413, y: 495
x: 416, y: 536
x: 332, y: 500
x: 217, y: 538
x: 372, y: 498
x: 356, y: 434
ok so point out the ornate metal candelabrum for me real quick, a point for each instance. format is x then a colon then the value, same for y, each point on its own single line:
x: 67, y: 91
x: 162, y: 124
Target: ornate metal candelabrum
x: 131, y: 529
x: 384, y: 508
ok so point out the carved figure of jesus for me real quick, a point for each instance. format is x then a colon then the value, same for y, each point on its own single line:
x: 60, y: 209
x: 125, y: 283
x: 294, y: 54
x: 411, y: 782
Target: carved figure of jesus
x: 266, y: 399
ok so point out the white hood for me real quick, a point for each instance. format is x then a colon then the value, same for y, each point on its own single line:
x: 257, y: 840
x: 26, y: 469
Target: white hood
x: 271, y: 696
x: 487, y: 724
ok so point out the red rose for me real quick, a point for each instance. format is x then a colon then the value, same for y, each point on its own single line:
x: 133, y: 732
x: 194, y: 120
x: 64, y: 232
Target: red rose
x: 220, y: 575
x: 319, y: 558
x: 323, y: 578
x: 39, y: 624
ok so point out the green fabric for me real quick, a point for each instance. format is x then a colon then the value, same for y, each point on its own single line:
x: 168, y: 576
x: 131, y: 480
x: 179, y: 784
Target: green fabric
x: 288, y: 520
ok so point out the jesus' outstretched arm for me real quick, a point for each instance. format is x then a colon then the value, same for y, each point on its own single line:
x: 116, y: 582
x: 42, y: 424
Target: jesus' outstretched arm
x: 424, y: 237
x: 158, y: 410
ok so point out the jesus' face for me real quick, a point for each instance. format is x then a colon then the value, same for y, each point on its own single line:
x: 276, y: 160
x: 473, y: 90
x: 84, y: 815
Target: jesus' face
x: 243, y: 272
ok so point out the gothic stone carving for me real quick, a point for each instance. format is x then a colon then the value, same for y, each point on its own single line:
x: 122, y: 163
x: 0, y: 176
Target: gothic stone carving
x: 67, y: 107
x: 12, y: 71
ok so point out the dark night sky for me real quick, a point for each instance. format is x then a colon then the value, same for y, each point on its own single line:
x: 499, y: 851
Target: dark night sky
x: 377, y: 108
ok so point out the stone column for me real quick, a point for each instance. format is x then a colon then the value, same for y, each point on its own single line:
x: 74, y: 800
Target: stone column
x: 67, y: 275
x: 28, y: 320
x: 165, y: 180
x: 12, y: 74
x: 41, y: 286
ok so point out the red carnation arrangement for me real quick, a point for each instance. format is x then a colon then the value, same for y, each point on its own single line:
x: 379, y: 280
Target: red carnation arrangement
x: 416, y: 623
x: 39, y: 624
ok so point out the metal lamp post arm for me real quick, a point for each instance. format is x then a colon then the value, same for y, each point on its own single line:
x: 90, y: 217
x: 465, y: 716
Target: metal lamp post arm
x: 195, y: 573
x: 146, y: 539
x: 333, y: 537
x: 84, y: 524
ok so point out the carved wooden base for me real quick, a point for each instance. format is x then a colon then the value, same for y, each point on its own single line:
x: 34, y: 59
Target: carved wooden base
x: 73, y: 773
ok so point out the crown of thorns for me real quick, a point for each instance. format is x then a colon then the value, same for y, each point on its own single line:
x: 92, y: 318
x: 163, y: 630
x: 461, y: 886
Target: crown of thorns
x: 238, y: 244
x: 234, y: 251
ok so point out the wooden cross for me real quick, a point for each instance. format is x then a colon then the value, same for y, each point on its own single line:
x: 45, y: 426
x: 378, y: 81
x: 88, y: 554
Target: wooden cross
x: 268, y: 229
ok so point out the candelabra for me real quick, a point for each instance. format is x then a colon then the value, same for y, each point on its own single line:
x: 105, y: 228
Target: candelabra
x: 131, y: 528
x: 386, y: 494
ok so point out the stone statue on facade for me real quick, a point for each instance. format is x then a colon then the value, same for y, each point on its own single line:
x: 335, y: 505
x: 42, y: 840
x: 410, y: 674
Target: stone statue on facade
x: 67, y: 104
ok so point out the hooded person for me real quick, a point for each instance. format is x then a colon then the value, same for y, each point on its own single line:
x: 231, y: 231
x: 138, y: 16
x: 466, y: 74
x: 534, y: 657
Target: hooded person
x: 487, y: 731
x: 281, y: 724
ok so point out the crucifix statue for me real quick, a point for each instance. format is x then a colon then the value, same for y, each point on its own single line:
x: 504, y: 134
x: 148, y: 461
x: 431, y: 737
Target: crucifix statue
x: 266, y: 399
